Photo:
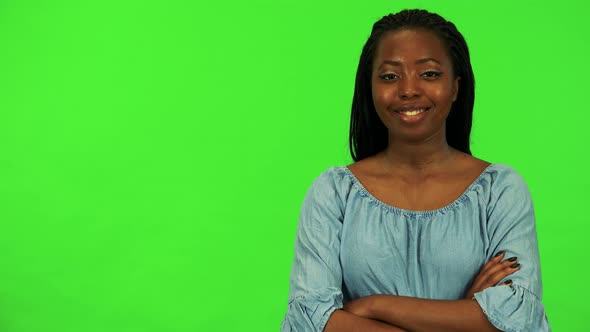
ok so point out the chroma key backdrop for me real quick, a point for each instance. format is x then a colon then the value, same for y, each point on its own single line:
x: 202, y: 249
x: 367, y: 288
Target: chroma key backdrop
x: 154, y: 154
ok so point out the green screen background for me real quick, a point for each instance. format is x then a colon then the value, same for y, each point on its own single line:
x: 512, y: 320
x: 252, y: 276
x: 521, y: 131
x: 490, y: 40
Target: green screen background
x: 154, y: 154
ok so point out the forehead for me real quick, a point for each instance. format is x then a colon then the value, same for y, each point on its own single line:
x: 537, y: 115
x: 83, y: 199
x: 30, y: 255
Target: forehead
x: 410, y: 44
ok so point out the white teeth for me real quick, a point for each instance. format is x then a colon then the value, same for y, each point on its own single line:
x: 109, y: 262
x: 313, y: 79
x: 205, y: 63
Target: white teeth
x: 414, y: 112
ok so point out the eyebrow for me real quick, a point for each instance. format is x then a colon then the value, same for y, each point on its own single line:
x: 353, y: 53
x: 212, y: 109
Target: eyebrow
x: 420, y: 61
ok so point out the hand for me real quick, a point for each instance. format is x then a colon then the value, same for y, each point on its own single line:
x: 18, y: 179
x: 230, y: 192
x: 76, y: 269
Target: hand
x: 492, y: 273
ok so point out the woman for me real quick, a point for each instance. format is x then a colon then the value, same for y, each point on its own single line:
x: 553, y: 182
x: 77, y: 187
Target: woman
x: 397, y: 240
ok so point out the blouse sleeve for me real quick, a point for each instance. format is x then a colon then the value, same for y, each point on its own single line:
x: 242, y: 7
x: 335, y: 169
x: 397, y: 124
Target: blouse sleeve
x: 316, y: 274
x: 511, y: 228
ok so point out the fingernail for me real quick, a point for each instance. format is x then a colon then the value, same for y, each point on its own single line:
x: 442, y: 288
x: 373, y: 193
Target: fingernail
x: 515, y: 265
x: 509, y: 281
x: 511, y: 259
x: 498, y: 254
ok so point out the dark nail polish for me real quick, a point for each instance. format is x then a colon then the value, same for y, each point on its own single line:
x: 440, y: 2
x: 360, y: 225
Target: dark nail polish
x: 511, y: 259
x: 498, y: 254
x: 515, y: 265
x: 509, y: 281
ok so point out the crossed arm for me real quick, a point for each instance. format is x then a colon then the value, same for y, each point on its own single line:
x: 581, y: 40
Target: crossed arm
x: 390, y: 313
x: 397, y: 313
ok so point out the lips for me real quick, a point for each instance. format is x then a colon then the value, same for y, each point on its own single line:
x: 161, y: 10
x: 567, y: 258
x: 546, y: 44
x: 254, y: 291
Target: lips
x: 412, y: 114
x: 412, y: 110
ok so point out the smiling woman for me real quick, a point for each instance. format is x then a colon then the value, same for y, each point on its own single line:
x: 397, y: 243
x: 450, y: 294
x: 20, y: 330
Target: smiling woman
x: 417, y: 234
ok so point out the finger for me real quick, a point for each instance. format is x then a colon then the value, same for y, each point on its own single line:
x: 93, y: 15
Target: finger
x: 490, y: 266
x: 481, y: 276
x: 486, y: 277
x: 496, y: 272
x: 499, y: 255
x: 506, y: 283
x: 500, y: 265
x: 501, y: 271
x: 492, y: 262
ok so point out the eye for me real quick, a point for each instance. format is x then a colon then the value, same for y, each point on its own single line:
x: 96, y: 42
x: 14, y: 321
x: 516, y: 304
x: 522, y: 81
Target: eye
x: 431, y: 74
x: 388, y: 77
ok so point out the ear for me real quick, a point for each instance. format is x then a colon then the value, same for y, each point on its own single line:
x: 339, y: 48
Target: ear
x: 455, y: 88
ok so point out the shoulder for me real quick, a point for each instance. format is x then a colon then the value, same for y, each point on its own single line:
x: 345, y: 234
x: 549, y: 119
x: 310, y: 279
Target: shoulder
x: 507, y: 190
x: 333, y: 176
x: 334, y: 181
x: 328, y: 194
x: 505, y: 177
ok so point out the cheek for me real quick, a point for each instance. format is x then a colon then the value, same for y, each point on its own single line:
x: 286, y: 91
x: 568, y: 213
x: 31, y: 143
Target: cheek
x: 443, y: 95
x: 381, y: 97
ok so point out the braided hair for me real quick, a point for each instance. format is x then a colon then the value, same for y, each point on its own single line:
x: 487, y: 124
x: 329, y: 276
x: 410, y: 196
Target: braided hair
x: 368, y: 135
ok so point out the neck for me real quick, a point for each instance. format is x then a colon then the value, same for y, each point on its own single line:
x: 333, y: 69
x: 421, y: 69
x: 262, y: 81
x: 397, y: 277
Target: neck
x: 418, y: 156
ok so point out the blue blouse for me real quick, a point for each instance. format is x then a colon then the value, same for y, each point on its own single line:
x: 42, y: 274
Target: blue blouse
x: 349, y: 244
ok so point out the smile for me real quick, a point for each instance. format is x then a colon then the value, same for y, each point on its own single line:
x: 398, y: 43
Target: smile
x: 413, y: 112
x: 412, y: 115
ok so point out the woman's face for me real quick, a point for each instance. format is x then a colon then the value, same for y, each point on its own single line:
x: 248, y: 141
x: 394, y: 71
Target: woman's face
x: 413, y: 85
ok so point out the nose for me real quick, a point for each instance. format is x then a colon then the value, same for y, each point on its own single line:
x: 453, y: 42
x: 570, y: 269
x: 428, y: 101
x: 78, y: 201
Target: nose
x: 408, y: 87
